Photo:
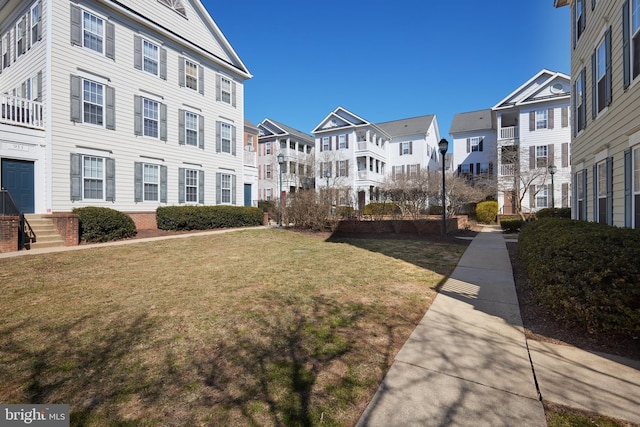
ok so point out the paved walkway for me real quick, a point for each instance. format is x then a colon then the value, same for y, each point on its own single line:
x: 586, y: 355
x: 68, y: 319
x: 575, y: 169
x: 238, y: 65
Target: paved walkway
x: 468, y: 362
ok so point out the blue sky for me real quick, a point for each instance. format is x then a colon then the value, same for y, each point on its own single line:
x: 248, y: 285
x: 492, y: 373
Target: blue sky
x: 389, y: 60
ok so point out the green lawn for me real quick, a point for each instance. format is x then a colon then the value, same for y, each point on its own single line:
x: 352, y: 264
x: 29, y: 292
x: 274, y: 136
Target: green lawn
x: 256, y: 327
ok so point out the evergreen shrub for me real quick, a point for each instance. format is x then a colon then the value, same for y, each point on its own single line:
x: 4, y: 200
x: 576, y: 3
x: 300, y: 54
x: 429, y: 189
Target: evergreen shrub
x: 99, y: 224
x: 207, y: 217
x: 486, y: 212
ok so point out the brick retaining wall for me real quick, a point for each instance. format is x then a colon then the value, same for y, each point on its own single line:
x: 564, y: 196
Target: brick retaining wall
x: 9, y: 226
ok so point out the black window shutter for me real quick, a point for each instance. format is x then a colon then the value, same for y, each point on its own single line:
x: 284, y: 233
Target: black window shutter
x: 76, y: 99
x: 163, y: 63
x: 137, y: 52
x: 595, y: 193
x: 137, y: 182
x: 584, y: 186
x: 181, y: 71
x: 481, y: 144
x: 137, y: 115
x: 201, y: 132
x: 201, y: 187
x: 471, y: 168
x: 76, y: 177
x: 609, y: 190
x: 110, y: 113
x: 532, y: 121
x: 163, y: 122
x: 181, y: 127
x: 594, y: 87
x: 110, y: 45
x: 628, y: 183
x: 110, y: 173
x: 163, y: 184
x: 76, y: 25
x: 626, y: 45
x: 181, y: 189
x: 609, y: 92
x: 584, y: 97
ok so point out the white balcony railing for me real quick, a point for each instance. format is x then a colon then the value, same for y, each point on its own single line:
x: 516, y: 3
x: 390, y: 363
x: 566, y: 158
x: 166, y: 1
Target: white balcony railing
x: 250, y: 158
x: 507, y: 169
x: 21, y: 112
x: 510, y: 132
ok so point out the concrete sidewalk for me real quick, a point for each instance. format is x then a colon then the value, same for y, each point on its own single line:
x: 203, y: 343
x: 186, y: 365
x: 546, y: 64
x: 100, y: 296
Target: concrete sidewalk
x: 468, y: 363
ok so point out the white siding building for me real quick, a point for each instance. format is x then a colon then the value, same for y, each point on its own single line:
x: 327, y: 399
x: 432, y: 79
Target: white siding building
x: 132, y: 107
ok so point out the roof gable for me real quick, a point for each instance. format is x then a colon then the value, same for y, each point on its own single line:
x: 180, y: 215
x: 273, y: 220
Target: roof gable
x: 405, y: 127
x: 339, y: 118
x: 543, y: 86
x: 472, y: 121
x: 271, y: 128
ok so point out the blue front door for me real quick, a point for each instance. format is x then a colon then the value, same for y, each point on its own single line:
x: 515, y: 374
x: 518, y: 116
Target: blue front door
x: 247, y: 194
x: 17, y: 177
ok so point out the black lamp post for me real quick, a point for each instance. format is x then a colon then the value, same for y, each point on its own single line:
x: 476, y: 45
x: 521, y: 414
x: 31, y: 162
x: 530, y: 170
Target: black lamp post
x: 281, y: 162
x: 443, y: 146
x: 552, y: 170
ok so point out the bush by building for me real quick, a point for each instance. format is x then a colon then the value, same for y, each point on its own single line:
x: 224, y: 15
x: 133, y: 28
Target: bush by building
x: 98, y: 224
x: 554, y: 213
x: 207, y: 217
x: 511, y: 225
x: 586, y: 273
x: 487, y: 211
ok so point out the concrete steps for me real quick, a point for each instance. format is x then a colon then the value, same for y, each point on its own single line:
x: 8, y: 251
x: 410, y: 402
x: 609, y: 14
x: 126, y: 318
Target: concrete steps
x: 46, y: 234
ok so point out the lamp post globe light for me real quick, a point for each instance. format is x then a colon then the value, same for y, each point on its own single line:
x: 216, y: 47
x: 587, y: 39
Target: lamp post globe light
x: 552, y: 170
x: 443, y: 146
x: 281, y: 162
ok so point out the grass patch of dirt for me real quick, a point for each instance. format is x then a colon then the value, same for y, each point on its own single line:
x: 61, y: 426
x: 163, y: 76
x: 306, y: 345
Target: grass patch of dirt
x: 256, y: 327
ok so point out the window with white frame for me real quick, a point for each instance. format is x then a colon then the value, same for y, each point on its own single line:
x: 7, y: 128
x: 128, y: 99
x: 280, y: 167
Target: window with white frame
x: 475, y: 143
x: 268, y: 171
x: 5, y: 50
x: 151, y: 182
x: 579, y: 19
x: 93, y: 103
x: 267, y: 194
x: 191, y: 128
x: 31, y: 88
x: 225, y: 137
x: 20, y: 38
x: 190, y: 74
x: 464, y: 169
x: 579, y: 96
x: 342, y: 141
x: 601, y: 76
x: 326, y: 143
x: 225, y: 188
x: 93, y: 178
x: 225, y: 90
x: 283, y: 144
x: 602, y: 192
x: 541, y: 119
x: 635, y: 38
x: 406, y: 148
x: 267, y: 148
x: 484, y: 168
x: 191, y: 185
x: 413, y: 170
x: 35, y: 18
x: 150, y: 116
x: 93, y: 32
x: 150, y: 57
x: 342, y: 168
x: 580, y: 194
x: 250, y: 142
x: 541, y: 156
x: 541, y: 196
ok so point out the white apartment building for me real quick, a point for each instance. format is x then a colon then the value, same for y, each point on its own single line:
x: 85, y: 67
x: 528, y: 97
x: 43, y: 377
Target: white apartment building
x: 124, y: 106
x: 355, y: 155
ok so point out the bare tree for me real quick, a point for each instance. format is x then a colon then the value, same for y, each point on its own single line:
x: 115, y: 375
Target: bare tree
x: 517, y: 182
x: 409, y: 191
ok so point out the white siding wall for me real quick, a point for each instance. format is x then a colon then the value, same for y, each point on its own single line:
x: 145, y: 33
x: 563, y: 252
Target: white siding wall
x: 121, y: 144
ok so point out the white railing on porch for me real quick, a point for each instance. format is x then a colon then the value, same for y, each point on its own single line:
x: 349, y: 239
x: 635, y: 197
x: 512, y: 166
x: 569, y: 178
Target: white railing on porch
x: 21, y: 112
x: 507, y: 169
x: 510, y: 132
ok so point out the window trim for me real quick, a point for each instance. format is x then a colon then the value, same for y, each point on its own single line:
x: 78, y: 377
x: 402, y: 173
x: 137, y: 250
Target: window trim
x: 224, y: 190
x: 38, y: 9
x: 102, y: 179
x: 542, y: 196
x: 102, y: 106
x: 224, y: 81
x: 189, y: 64
x: 542, y: 119
x: 146, y: 101
x: 540, y: 157
x: 101, y: 36
x: 224, y: 128
x: 146, y: 57
x: 188, y: 183
x: 145, y: 182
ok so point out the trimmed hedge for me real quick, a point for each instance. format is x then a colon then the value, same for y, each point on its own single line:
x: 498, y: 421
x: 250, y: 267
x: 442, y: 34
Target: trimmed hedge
x: 486, y: 212
x: 104, y: 224
x: 586, y: 273
x: 381, y: 209
x: 554, y: 213
x: 511, y: 225
x: 207, y: 217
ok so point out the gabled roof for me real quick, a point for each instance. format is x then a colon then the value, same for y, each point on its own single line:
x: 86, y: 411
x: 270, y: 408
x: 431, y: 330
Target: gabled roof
x: 210, y: 42
x: 250, y: 127
x: 269, y: 128
x: 472, y: 121
x: 343, y: 118
x: 406, y: 127
x: 543, y: 86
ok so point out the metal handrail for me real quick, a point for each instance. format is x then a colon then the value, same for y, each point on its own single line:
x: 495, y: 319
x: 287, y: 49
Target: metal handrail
x: 9, y: 207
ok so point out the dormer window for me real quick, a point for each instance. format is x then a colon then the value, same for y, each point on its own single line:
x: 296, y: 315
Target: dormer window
x: 175, y: 5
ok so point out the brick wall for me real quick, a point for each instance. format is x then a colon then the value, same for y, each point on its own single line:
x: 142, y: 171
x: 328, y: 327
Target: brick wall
x: 9, y: 226
x: 144, y: 220
x: 67, y: 225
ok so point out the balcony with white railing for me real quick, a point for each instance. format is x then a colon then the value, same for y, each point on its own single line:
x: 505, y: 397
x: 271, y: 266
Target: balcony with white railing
x: 507, y: 169
x: 371, y: 147
x: 18, y: 111
x: 509, y: 132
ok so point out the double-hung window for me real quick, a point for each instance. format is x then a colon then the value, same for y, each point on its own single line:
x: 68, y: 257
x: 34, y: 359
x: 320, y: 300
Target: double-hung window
x: 225, y: 90
x: 579, y: 101
x: 92, y: 32
x: 342, y: 141
x: 150, y: 114
x: 225, y: 188
x: 541, y: 156
x: 475, y: 143
x: 191, y: 185
x: 93, y: 178
x: 191, y: 128
x: 541, y: 119
x: 33, y: 25
x: 268, y: 171
x: 541, y: 196
x: 267, y: 147
x: 405, y: 148
x: 93, y: 102
x: 190, y: 74
x: 343, y: 168
x: 267, y: 194
x: 150, y: 57
x: 20, y: 37
x: 601, y: 73
x: 632, y: 36
x: 151, y: 182
x: 601, y: 191
x: 225, y: 137
x: 5, y: 51
x: 579, y: 20
x: 580, y: 195
x: 326, y: 143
